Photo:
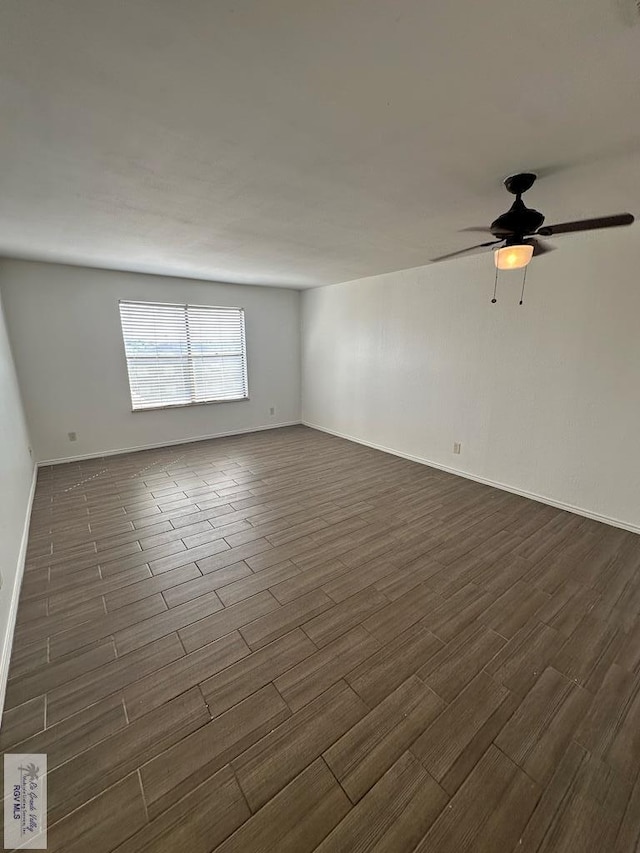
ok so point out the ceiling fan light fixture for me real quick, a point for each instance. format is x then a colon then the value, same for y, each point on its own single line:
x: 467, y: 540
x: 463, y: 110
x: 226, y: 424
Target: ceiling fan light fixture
x: 513, y: 257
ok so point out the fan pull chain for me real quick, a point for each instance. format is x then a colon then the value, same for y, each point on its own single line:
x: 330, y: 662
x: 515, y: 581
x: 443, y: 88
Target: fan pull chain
x: 495, y: 285
x: 524, y: 279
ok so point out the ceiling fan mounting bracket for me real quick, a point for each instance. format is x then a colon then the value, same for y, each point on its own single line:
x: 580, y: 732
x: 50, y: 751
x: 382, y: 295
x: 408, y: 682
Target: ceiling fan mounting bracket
x: 520, y: 183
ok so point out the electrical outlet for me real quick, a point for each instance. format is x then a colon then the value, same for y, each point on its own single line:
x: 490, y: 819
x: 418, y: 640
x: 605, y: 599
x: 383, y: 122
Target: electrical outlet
x: 72, y: 436
x: 457, y: 447
x: 272, y: 410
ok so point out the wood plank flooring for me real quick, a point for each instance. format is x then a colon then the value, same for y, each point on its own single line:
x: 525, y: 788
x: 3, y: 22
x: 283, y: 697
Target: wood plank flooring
x: 288, y: 642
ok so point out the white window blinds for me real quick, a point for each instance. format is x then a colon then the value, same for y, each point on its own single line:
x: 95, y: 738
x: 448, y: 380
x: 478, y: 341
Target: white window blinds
x: 178, y: 355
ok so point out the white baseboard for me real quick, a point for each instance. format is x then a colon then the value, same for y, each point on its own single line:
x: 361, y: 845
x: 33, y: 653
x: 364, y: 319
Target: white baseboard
x: 7, y: 640
x: 605, y: 519
x: 120, y: 450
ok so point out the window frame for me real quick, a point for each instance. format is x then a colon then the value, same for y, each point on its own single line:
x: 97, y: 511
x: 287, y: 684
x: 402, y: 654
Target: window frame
x: 186, y: 306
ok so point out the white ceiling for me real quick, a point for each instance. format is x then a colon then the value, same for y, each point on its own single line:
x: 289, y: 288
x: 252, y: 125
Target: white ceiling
x: 298, y: 143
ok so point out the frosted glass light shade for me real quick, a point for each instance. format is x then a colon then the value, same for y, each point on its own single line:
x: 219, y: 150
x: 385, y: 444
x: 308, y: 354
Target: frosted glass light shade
x: 513, y: 257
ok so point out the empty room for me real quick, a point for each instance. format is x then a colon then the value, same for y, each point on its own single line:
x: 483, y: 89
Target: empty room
x: 319, y: 402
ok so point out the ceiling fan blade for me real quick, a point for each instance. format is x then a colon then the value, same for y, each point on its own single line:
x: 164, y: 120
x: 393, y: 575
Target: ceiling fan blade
x: 539, y: 247
x: 464, y: 251
x: 586, y: 225
x: 477, y: 229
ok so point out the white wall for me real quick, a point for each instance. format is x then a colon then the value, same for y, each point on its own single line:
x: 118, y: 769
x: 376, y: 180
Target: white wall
x: 65, y: 331
x: 545, y: 398
x: 16, y: 478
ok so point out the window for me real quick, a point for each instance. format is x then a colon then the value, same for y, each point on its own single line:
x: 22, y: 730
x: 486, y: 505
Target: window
x: 178, y: 355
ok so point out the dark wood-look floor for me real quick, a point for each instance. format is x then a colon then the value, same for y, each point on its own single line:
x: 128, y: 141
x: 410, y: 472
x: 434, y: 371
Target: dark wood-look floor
x: 288, y: 642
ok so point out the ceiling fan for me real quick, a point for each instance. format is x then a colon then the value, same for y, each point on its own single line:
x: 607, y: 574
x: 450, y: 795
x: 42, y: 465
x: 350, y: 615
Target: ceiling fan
x: 520, y: 227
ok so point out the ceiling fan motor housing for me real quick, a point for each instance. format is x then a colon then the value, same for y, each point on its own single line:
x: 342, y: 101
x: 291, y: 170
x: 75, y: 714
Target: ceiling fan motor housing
x: 518, y: 221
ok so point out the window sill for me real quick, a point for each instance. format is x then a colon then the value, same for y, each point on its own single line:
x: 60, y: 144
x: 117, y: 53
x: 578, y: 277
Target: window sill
x: 188, y: 405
